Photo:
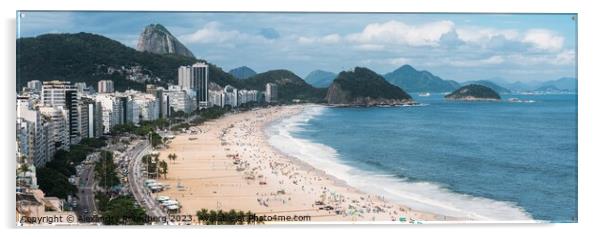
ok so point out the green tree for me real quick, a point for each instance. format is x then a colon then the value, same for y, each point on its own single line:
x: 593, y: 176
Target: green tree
x: 105, y: 171
x: 123, y: 211
x: 202, y: 215
x: 163, y: 168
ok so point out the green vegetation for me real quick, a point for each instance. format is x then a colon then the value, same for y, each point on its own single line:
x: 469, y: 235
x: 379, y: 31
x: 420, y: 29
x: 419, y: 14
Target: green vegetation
x: 105, y: 171
x: 151, y: 162
x: 473, y: 91
x: 203, y: 115
x: 121, y: 210
x: 213, y: 112
x: 93, y: 142
x: 290, y: 86
x: 142, y: 129
x: 54, y: 183
x: 363, y: 86
x: 154, y: 166
x: 53, y: 179
x: 85, y: 57
x: 163, y: 169
x: 231, y: 217
x: 412, y: 80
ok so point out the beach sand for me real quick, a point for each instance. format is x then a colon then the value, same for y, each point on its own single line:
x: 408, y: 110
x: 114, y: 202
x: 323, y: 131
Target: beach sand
x: 230, y: 165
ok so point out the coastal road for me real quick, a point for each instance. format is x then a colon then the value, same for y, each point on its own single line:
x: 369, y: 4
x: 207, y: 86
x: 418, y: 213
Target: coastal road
x: 136, y: 181
x: 86, y: 191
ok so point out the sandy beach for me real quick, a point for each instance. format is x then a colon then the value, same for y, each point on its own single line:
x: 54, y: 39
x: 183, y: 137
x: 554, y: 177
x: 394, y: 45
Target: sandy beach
x: 230, y: 165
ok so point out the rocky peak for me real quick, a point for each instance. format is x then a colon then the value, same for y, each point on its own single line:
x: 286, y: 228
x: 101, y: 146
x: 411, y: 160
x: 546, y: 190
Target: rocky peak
x: 156, y: 39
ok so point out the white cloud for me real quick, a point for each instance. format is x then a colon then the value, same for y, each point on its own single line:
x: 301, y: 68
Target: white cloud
x: 493, y: 60
x: 396, y: 32
x: 328, y: 39
x: 479, y: 35
x: 544, y: 39
x: 212, y: 32
x: 566, y: 57
x: 399, y: 61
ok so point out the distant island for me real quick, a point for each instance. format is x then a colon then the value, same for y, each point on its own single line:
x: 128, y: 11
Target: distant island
x: 363, y: 87
x: 473, y: 92
x: 490, y: 84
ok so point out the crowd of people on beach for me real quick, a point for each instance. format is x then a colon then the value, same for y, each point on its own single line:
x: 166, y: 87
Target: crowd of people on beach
x: 243, y: 142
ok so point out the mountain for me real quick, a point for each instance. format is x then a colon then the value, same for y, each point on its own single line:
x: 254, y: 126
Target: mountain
x: 490, y: 84
x: 365, y: 88
x: 564, y: 83
x: 156, y: 39
x: 320, y: 79
x: 473, y: 92
x: 243, y: 72
x: 290, y: 86
x: 548, y: 89
x: 520, y: 86
x: 411, y: 80
x: 85, y: 57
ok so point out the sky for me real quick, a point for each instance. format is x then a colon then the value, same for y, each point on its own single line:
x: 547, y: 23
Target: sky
x: 461, y: 47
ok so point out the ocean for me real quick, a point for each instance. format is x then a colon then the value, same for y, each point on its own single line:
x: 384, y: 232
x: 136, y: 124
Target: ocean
x: 491, y: 161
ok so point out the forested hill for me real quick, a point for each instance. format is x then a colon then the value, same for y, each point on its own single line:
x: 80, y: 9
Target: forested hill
x: 85, y: 57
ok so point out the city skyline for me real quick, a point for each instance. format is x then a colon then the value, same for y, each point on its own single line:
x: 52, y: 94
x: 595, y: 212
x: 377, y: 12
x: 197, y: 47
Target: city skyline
x: 462, y: 47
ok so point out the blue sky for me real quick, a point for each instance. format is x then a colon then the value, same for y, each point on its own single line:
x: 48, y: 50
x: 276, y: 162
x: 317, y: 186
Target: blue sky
x: 460, y: 47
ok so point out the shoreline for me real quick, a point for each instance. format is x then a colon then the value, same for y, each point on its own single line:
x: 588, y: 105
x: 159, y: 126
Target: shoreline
x: 269, y: 182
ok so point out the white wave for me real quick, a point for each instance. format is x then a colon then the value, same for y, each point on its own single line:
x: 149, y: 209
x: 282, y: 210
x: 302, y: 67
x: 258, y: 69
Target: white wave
x: 422, y: 196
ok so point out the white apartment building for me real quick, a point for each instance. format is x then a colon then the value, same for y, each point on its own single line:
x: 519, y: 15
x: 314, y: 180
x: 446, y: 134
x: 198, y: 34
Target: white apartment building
x: 56, y: 132
x: 31, y: 141
x: 230, y: 96
x: 64, y: 95
x: 106, y: 86
x: 35, y: 85
x: 180, y: 99
x: 110, y: 111
x: 196, y: 78
x: 246, y: 96
x: 271, y: 92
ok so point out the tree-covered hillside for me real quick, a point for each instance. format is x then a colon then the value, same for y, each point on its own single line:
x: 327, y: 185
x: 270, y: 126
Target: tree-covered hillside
x: 85, y: 57
x: 290, y: 86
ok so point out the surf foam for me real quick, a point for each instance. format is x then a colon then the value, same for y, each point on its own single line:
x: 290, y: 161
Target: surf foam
x: 423, y: 196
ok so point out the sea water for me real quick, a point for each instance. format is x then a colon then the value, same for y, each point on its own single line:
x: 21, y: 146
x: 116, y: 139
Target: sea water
x: 491, y: 161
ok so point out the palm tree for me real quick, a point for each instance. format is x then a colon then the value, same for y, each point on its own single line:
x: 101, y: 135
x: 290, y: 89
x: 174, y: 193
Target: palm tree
x: 231, y: 217
x: 250, y: 220
x: 23, y: 168
x: 202, y: 215
x: 220, y: 217
x: 163, y: 168
x: 241, y: 217
x: 212, y: 217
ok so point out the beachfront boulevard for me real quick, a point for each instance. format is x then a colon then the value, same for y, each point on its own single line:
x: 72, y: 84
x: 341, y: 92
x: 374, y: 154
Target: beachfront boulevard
x: 135, y: 179
x: 87, y: 204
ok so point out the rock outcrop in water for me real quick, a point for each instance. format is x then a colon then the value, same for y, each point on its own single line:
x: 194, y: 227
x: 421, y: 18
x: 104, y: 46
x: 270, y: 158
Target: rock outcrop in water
x: 363, y: 87
x: 473, y: 92
x: 156, y: 39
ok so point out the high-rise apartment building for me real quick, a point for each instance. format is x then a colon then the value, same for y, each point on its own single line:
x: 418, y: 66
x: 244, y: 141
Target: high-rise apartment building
x: 196, y: 78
